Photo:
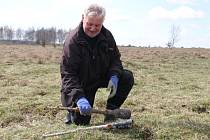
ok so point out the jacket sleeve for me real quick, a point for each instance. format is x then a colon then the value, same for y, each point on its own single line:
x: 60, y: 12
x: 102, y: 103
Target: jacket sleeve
x: 71, y: 89
x: 116, y: 64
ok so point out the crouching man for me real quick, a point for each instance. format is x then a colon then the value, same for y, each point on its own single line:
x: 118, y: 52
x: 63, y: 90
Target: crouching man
x: 91, y: 60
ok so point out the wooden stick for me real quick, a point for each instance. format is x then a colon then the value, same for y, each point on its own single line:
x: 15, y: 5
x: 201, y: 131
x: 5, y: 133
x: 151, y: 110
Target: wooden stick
x: 106, y: 126
x: 117, y: 113
x: 124, y: 124
x: 77, y: 109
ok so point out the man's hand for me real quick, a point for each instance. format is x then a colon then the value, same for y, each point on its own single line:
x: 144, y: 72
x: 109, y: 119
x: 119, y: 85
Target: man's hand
x: 113, y: 84
x: 84, y: 106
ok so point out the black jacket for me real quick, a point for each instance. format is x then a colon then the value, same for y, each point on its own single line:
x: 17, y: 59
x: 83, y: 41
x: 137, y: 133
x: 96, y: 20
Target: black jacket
x: 86, y: 62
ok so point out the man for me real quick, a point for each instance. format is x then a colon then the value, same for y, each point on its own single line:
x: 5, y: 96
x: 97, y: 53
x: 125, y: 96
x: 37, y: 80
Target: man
x: 91, y: 60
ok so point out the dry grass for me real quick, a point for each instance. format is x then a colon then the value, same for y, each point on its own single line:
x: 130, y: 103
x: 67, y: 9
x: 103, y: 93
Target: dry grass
x: 170, y: 98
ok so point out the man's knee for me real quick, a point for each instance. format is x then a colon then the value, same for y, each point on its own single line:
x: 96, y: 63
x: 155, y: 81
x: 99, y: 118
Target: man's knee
x: 127, y: 77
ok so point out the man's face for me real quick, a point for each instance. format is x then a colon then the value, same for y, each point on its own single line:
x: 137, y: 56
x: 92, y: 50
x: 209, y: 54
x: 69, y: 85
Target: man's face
x: 92, y: 25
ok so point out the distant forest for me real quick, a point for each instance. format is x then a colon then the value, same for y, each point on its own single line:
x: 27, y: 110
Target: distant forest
x: 31, y: 35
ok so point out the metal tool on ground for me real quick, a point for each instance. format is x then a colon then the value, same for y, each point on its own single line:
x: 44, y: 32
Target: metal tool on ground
x: 117, y: 113
x: 121, y: 124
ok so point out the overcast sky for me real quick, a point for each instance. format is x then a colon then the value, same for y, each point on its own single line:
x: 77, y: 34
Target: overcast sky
x: 135, y: 22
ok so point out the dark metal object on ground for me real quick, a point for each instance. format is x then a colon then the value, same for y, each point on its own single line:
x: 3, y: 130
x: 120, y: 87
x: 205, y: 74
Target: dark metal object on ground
x: 121, y: 124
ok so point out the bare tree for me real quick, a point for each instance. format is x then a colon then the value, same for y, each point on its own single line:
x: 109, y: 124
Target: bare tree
x: 51, y: 36
x: 8, y: 33
x: 19, y: 34
x: 174, y: 36
x: 54, y: 36
x: 29, y: 34
x: 5, y: 32
x: 41, y: 36
x: 60, y: 35
x: 1, y: 33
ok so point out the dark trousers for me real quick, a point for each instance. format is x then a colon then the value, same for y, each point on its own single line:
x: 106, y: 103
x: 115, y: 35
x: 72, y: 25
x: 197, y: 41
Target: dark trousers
x: 125, y: 84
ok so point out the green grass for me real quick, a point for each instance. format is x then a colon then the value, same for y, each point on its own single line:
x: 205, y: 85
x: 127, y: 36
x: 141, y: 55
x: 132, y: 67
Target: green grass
x: 170, y: 98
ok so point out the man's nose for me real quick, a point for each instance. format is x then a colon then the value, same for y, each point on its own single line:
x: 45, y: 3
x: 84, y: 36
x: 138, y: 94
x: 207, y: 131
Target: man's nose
x: 93, y: 28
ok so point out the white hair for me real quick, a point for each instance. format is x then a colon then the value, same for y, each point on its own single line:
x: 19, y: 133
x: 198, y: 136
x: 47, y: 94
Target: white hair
x: 95, y: 10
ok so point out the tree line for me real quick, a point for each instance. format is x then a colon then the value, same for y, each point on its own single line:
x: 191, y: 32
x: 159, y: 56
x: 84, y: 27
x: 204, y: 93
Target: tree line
x: 40, y: 36
x: 55, y: 36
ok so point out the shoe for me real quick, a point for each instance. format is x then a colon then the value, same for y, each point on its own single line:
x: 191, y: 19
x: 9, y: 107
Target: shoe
x: 69, y: 118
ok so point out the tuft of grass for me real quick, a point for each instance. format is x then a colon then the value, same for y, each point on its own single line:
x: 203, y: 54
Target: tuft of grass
x: 11, y: 119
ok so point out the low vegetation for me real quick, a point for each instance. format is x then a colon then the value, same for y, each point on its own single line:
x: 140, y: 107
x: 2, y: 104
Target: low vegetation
x: 170, y: 98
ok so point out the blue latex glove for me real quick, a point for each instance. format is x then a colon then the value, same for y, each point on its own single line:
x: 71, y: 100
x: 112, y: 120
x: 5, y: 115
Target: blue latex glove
x: 113, y: 84
x: 84, y: 106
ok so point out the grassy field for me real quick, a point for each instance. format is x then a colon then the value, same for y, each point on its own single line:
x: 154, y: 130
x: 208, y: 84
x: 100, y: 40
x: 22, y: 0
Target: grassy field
x: 170, y: 98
